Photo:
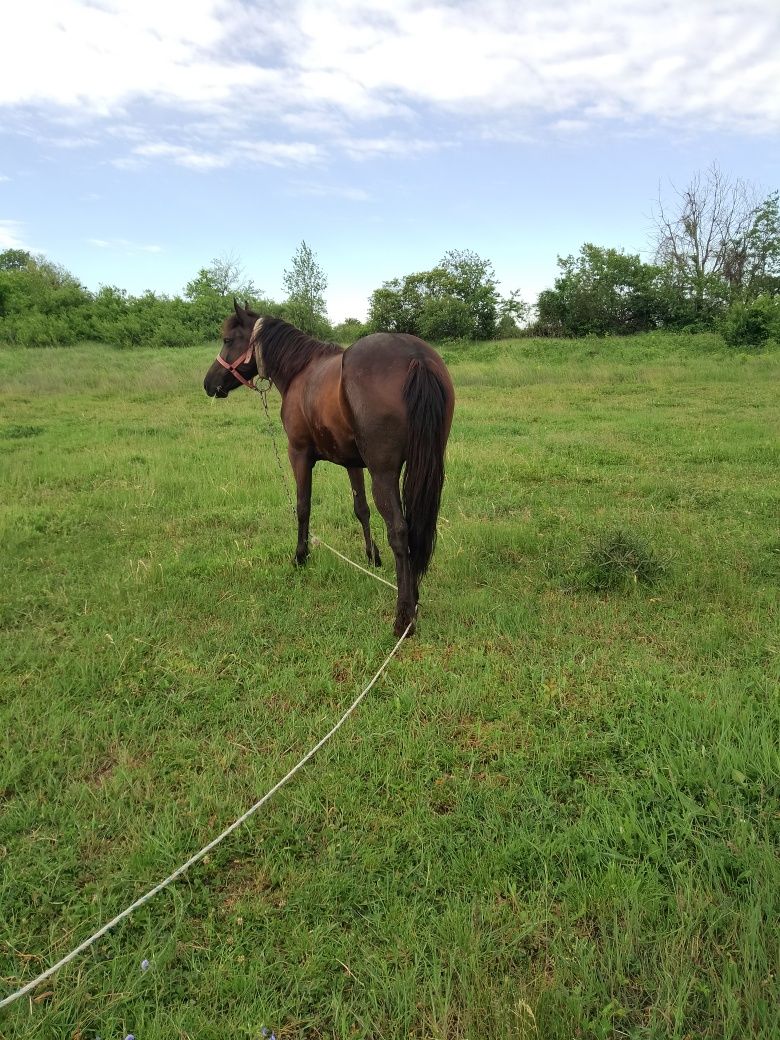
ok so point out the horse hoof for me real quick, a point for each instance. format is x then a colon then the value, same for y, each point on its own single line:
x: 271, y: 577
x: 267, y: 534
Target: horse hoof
x: 300, y: 561
x: 400, y: 628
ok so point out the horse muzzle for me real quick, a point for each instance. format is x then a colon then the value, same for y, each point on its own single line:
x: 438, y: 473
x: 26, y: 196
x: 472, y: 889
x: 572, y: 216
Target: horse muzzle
x: 214, y: 391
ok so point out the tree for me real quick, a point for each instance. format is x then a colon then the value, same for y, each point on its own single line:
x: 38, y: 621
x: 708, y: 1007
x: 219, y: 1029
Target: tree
x: 223, y: 279
x: 473, y: 280
x: 457, y: 299
x: 604, y: 291
x: 513, y: 315
x: 40, y: 302
x: 720, y: 239
x: 306, y: 283
x: 754, y: 264
x: 15, y: 260
x: 212, y: 291
x: 396, y: 306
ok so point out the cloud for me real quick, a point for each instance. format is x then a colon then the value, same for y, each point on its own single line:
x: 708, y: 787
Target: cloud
x: 330, y: 191
x: 123, y: 245
x: 363, y: 78
x: 181, y: 155
x: 360, y: 148
x: 220, y: 155
x: 10, y: 231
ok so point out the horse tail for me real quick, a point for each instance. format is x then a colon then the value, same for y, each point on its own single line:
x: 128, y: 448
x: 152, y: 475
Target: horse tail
x: 425, y: 396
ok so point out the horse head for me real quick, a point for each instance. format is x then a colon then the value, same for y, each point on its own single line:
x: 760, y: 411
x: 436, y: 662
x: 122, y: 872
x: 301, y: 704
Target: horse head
x: 235, y: 365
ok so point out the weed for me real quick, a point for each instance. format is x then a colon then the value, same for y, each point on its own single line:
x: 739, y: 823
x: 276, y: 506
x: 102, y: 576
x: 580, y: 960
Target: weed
x: 617, y: 559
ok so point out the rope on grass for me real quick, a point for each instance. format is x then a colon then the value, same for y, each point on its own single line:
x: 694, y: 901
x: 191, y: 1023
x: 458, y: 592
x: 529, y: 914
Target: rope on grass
x: 316, y: 540
x: 142, y: 900
x: 212, y: 844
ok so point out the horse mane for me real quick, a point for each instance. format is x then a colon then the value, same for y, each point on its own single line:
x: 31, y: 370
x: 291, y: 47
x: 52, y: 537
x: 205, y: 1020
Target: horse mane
x: 287, y: 351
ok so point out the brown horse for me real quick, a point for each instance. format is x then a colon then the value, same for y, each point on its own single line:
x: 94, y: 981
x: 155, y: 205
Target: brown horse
x: 385, y: 401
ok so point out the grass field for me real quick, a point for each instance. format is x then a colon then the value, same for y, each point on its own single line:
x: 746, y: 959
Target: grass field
x: 557, y: 814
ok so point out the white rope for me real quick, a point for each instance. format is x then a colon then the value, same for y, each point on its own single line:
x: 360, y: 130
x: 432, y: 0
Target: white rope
x: 212, y: 844
x: 316, y: 540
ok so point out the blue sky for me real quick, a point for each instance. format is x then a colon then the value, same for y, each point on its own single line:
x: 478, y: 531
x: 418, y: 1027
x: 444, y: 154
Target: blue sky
x: 140, y: 140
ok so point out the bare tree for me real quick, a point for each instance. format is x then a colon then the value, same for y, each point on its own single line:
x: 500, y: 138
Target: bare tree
x: 707, y: 233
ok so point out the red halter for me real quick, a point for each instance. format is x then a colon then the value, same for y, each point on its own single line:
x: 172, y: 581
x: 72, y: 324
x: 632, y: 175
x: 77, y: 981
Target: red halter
x: 233, y: 369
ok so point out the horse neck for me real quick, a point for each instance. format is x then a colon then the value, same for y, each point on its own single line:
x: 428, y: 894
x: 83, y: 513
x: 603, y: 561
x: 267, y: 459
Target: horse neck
x: 288, y: 353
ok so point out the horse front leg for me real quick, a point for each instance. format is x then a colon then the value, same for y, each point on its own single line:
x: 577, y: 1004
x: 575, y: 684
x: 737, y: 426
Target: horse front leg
x: 384, y: 487
x: 362, y: 512
x: 302, y: 466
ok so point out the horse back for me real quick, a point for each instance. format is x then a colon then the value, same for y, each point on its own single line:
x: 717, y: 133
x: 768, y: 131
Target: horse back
x: 375, y: 369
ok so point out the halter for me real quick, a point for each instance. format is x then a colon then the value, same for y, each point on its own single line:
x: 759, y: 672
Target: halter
x: 233, y: 369
x: 244, y: 360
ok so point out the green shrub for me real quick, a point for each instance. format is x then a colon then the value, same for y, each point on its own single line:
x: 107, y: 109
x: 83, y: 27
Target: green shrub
x: 350, y: 330
x: 751, y: 324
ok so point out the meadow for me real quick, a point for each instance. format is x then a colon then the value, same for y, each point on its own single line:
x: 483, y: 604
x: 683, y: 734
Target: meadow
x: 555, y: 816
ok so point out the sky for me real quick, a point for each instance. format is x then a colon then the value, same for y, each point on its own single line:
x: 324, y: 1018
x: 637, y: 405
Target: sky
x: 141, y: 140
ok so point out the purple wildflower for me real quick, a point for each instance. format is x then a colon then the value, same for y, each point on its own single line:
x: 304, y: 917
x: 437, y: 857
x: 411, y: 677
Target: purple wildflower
x: 144, y: 965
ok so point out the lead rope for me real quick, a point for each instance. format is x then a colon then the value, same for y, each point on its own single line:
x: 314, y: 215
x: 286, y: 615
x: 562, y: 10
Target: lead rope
x: 263, y: 391
x: 142, y: 900
x: 211, y: 845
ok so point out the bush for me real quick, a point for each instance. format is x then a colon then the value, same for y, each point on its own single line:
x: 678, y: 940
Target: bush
x: 751, y: 324
x: 446, y: 318
x: 350, y: 330
x: 40, y: 303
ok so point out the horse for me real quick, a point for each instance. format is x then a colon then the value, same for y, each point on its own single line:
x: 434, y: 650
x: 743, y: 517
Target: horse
x: 382, y: 404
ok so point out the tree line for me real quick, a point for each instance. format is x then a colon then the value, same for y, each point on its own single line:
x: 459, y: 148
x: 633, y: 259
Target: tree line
x: 716, y: 266
x: 42, y: 304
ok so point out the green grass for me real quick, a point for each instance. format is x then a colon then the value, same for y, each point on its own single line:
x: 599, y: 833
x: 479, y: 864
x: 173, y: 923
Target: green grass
x: 557, y: 814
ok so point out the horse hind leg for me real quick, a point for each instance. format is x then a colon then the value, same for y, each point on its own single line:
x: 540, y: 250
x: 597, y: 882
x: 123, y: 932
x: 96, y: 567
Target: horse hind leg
x: 363, y: 514
x: 387, y: 496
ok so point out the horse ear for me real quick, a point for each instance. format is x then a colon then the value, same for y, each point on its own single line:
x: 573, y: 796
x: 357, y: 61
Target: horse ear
x: 237, y: 309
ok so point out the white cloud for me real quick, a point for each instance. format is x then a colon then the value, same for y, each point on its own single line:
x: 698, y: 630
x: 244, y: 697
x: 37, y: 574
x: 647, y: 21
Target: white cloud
x: 269, y: 153
x: 330, y: 191
x: 571, y: 126
x: 10, y: 232
x: 122, y: 245
x: 181, y: 155
x: 360, y: 148
x: 82, y: 141
x: 333, y: 71
x: 81, y: 55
